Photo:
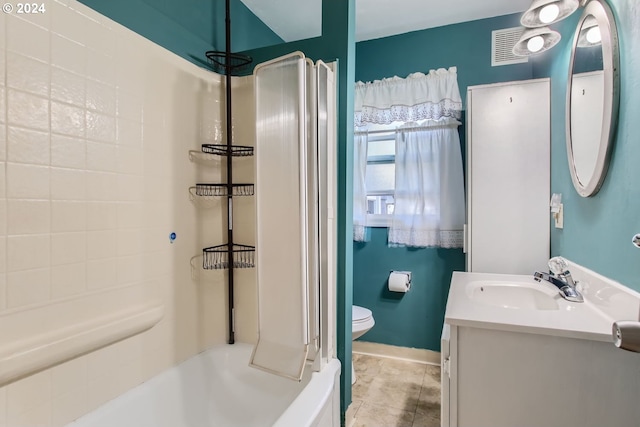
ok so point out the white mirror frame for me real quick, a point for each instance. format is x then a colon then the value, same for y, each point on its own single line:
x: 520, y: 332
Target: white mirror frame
x: 601, y: 11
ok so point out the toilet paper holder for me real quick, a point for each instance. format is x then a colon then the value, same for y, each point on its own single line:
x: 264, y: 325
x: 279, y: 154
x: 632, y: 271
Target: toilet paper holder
x: 399, y: 281
x: 407, y: 273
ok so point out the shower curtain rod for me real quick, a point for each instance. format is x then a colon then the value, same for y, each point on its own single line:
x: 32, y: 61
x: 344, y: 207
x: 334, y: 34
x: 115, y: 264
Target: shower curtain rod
x: 412, y: 128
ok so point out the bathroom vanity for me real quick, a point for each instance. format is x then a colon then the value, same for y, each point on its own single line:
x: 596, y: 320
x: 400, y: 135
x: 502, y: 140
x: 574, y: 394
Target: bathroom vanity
x: 515, y: 353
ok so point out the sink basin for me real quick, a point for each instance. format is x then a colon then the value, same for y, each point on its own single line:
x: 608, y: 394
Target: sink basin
x: 519, y: 296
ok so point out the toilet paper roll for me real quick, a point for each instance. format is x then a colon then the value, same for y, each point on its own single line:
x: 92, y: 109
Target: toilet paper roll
x: 626, y: 335
x: 400, y: 281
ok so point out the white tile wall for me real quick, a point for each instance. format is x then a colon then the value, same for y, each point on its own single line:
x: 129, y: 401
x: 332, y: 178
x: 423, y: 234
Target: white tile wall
x: 102, y: 215
x: 101, y: 273
x: 101, y: 156
x: 68, y: 280
x: 37, y: 45
x: 67, y: 87
x: 28, y: 287
x: 69, y: 184
x: 27, y: 110
x: 28, y: 146
x: 68, y: 152
x: 101, y: 67
x: 28, y: 216
x: 30, y: 75
x: 101, y: 97
x: 68, y: 248
x: 67, y: 119
x: 3, y: 183
x: 41, y: 19
x: 68, y: 54
x: 3, y: 103
x: 68, y: 216
x: 3, y: 201
x: 100, y: 127
x: 27, y: 252
x: 3, y: 138
x: 25, y: 181
x: 93, y: 178
x: 3, y: 55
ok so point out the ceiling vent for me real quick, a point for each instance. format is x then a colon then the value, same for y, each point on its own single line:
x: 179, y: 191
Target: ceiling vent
x: 502, y: 42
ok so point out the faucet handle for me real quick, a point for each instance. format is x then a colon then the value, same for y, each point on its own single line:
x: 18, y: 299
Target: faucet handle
x: 558, y: 265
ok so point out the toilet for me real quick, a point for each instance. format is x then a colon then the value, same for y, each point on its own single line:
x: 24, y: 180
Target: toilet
x: 362, y: 321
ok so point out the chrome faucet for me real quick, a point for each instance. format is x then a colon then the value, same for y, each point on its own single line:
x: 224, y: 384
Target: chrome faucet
x: 560, y: 277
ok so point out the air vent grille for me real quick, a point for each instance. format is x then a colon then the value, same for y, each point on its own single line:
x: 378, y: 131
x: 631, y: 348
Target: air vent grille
x: 502, y: 42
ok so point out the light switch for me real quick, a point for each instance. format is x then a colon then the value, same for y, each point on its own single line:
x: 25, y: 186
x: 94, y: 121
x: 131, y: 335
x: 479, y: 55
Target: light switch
x: 559, y: 217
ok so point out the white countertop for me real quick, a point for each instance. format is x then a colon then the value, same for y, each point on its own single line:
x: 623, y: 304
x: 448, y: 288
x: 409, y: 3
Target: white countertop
x: 570, y: 319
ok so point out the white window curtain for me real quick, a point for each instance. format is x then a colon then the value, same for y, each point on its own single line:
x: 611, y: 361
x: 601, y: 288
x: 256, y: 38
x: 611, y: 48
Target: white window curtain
x: 429, y: 196
x: 431, y: 96
x: 359, y: 188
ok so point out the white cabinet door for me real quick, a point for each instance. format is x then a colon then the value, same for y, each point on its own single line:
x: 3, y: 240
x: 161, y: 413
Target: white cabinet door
x: 508, y: 177
x: 449, y: 376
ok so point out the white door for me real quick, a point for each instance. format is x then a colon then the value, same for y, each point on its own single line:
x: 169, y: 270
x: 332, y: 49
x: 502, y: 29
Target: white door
x: 508, y: 177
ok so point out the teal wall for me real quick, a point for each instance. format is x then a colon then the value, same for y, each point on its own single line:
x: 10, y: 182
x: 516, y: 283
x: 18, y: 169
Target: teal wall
x: 188, y: 28
x: 597, y: 230
x: 415, y: 319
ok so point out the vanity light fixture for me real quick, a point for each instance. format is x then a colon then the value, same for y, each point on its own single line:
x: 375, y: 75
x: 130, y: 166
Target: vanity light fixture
x: 544, y: 12
x: 536, y: 40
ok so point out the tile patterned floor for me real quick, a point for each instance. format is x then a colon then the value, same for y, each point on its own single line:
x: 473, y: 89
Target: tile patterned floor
x: 395, y: 393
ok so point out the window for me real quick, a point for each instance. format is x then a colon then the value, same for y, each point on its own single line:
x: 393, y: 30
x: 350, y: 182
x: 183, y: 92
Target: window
x: 380, y: 178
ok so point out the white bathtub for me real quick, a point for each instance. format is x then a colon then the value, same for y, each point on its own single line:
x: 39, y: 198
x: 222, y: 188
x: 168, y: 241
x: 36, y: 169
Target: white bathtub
x: 218, y: 388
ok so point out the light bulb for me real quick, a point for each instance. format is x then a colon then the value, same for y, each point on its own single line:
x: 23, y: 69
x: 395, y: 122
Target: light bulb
x: 593, y: 35
x: 549, y: 13
x: 535, y: 44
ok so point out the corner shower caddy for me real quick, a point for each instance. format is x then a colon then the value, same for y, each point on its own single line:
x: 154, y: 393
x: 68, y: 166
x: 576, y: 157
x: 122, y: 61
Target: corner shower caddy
x: 229, y: 255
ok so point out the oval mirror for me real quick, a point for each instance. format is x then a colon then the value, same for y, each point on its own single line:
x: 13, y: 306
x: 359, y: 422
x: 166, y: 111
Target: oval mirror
x: 592, y: 97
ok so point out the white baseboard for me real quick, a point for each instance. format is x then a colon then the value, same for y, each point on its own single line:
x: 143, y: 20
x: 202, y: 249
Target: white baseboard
x: 419, y: 355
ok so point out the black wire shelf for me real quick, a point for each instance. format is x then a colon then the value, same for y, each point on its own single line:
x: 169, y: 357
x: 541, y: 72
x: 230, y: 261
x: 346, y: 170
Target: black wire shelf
x: 217, y: 257
x: 214, y: 190
x: 228, y: 63
x: 226, y: 150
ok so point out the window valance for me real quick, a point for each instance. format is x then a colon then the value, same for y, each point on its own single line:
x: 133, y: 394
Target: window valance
x: 418, y: 97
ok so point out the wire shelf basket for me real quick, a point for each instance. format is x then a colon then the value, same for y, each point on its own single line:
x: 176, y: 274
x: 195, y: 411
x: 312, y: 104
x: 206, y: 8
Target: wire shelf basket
x: 215, y: 190
x: 227, y: 62
x: 204, y: 158
x: 224, y: 150
x: 217, y: 257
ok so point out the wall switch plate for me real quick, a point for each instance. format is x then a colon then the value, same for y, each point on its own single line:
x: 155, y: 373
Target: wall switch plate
x: 559, y: 217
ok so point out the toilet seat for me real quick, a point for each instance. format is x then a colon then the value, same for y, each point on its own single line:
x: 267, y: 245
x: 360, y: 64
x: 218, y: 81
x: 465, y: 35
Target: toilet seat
x: 360, y: 314
x: 362, y: 320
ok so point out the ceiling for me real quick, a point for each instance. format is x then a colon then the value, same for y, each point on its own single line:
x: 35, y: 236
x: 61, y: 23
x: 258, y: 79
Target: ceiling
x: 300, y: 19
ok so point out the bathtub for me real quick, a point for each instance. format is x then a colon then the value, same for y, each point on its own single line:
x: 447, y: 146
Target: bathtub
x: 218, y: 388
